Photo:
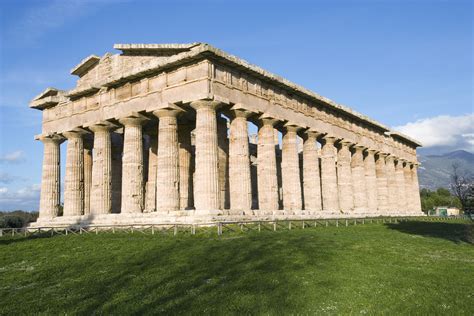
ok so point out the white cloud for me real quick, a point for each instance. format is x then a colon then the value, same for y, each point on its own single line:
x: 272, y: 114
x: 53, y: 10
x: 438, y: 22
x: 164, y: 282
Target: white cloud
x: 443, y: 130
x: 26, y: 198
x: 13, y: 157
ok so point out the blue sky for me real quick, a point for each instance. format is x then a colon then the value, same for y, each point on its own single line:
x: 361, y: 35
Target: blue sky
x: 407, y: 64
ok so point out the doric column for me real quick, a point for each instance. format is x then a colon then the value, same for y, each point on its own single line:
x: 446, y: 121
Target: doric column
x: 371, y: 180
x: 328, y: 174
x: 223, y: 150
x: 358, y: 179
x: 344, y: 176
x: 167, y: 170
x: 185, y: 166
x: 392, y: 185
x: 206, y: 186
x: 382, y: 183
x: 74, y: 180
x: 240, y: 185
x: 416, y: 188
x: 311, y: 178
x: 132, y: 164
x: 88, y: 143
x: 408, y: 187
x: 400, y: 185
x: 150, y: 191
x: 50, y: 179
x: 101, y: 191
x: 266, y: 168
x: 290, y: 166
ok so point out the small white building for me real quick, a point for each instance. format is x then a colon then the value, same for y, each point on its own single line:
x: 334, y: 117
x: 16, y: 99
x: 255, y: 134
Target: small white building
x: 446, y: 211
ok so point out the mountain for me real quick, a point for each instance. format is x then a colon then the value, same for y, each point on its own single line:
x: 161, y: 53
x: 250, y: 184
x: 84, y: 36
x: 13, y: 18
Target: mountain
x: 435, y: 170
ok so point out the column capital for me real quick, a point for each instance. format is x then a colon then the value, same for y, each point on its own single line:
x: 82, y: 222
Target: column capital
x: 266, y: 119
x: 382, y: 154
x: 238, y: 110
x: 327, y: 139
x: 102, y: 126
x: 133, y: 119
x: 50, y: 138
x: 391, y: 158
x: 292, y: 126
x: 343, y: 143
x: 371, y: 151
x: 199, y: 104
x: 358, y: 147
x: 75, y: 133
x: 169, y: 110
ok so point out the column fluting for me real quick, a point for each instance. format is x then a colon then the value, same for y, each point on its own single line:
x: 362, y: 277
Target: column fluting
x: 266, y: 166
x: 392, y: 185
x: 240, y: 185
x: 185, y: 166
x: 416, y: 188
x: 329, y: 188
x: 132, y: 164
x: 206, y: 186
x: 358, y: 179
x: 50, y: 178
x: 382, y: 183
x: 150, y: 190
x: 88, y: 143
x: 408, y: 188
x: 291, y: 181
x: 311, y: 175
x: 344, y: 176
x: 223, y: 162
x: 400, y: 185
x: 371, y: 180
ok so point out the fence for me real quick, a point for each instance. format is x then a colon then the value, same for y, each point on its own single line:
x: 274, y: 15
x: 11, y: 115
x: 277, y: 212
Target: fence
x: 219, y: 227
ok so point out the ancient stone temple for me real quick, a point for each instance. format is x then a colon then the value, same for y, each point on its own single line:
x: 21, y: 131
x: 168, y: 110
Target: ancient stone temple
x: 160, y: 133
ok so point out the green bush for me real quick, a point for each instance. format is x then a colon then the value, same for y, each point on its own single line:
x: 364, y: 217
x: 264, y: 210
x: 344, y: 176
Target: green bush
x: 440, y: 197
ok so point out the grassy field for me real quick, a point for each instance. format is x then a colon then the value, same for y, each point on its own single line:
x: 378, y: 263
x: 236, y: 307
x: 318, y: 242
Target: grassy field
x: 406, y: 268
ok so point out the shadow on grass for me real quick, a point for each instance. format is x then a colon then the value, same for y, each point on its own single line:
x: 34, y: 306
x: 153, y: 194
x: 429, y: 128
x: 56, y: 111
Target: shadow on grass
x: 455, y: 232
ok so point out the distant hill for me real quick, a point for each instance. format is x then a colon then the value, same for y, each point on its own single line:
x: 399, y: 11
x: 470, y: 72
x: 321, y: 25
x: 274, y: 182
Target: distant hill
x: 435, y: 170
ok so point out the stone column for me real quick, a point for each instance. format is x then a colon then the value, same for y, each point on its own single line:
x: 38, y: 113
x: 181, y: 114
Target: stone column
x: 132, y: 164
x: 392, y: 185
x: 358, y: 179
x: 167, y: 171
x: 344, y: 176
x: 150, y: 191
x: 223, y: 150
x: 400, y: 185
x: 267, y: 168
x: 416, y: 189
x: 291, y: 181
x: 50, y: 179
x: 74, y: 181
x: 185, y: 166
x: 206, y: 186
x: 88, y: 141
x: 371, y: 180
x: 311, y: 178
x: 101, y: 191
x: 117, y: 152
x: 328, y: 174
x: 382, y: 183
x: 240, y: 185
x: 408, y: 188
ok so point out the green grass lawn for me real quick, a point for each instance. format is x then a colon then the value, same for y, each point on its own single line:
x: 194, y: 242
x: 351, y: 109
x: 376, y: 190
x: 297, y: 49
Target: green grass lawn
x: 406, y: 268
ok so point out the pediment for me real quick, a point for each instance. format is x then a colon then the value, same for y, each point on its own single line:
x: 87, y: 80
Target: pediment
x: 85, y: 65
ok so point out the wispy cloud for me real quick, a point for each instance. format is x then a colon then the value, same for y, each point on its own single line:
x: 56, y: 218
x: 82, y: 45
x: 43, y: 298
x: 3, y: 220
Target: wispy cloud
x: 444, y: 130
x: 16, y: 156
x: 26, y: 198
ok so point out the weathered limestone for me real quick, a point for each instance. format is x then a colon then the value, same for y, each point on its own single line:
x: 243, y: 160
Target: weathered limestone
x: 185, y: 166
x: 382, y: 183
x: 101, y: 191
x: 358, y: 179
x: 240, y: 186
x: 400, y: 185
x: 88, y: 144
x: 344, y: 176
x: 371, y: 180
x: 328, y: 174
x: 292, y: 198
x: 392, y: 184
x: 206, y: 188
x: 150, y: 192
x: 132, y: 164
x: 74, y: 181
x: 50, y: 181
x: 311, y: 178
x: 192, y: 161
x: 266, y: 168
x: 167, y: 172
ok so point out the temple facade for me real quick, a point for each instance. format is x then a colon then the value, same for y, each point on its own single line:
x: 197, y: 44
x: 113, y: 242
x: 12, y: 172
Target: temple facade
x: 160, y: 134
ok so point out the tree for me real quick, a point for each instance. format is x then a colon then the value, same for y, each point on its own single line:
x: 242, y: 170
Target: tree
x: 462, y: 186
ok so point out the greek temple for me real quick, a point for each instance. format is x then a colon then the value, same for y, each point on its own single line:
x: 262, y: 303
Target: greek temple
x: 184, y: 133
